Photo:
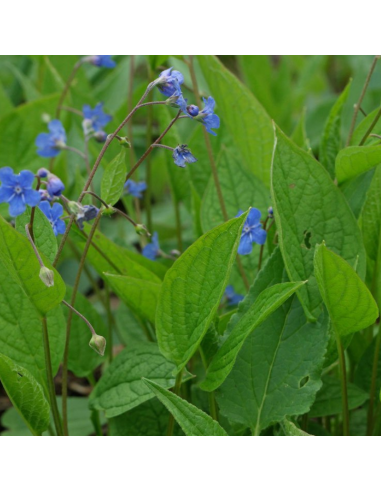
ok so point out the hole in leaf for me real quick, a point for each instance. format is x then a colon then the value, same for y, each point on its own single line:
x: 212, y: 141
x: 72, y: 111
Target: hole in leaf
x: 307, y: 240
x: 303, y: 382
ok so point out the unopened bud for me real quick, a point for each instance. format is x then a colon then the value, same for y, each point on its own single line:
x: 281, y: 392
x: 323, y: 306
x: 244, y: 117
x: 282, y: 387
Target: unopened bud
x: 141, y: 230
x: 75, y: 208
x: 175, y: 253
x: 47, y: 276
x: 108, y: 211
x: 98, y: 344
x: 124, y: 142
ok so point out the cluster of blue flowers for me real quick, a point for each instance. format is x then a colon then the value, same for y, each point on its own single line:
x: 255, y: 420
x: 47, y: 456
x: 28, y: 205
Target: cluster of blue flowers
x: 95, y: 120
x: 169, y: 84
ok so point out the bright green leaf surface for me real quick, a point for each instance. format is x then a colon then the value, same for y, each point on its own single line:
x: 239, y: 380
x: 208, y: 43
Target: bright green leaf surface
x: 44, y: 237
x: 191, y: 419
x: 192, y: 291
x: 17, y: 256
x: 353, y: 161
x: 348, y: 300
x: 309, y: 209
x: 114, y: 179
x: 26, y: 394
x: 141, y: 296
x: 371, y: 216
x: 277, y: 372
x: 290, y: 429
x: 266, y: 303
x: 121, y: 388
x: 330, y: 144
x: 247, y: 121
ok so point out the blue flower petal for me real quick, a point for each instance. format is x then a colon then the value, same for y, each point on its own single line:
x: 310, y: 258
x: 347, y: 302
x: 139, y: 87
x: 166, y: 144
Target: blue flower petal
x: 32, y: 197
x: 7, y: 177
x: 26, y: 179
x: 60, y: 226
x: 246, y: 245
x: 16, y: 206
x: 259, y: 235
x: 254, y: 217
x: 56, y: 211
x: 6, y: 193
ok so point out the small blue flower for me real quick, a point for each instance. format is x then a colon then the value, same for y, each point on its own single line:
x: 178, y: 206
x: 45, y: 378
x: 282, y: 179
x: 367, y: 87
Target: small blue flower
x: 252, y: 232
x: 50, y: 144
x: 152, y: 250
x: 177, y: 99
x: 88, y: 213
x: 16, y: 189
x: 55, y: 186
x: 182, y: 156
x: 232, y: 298
x: 45, y: 196
x: 102, y: 61
x: 206, y: 116
x: 53, y: 214
x: 135, y: 189
x: 169, y: 81
x: 95, y: 119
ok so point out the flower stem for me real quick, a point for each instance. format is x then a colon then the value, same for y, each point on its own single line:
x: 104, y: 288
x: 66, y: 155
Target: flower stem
x: 372, y: 125
x: 178, y: 225
x: 109, y: 322
x: 80, y: 316
x: 373, y: 386
x: 359, y: 102
x: 148, y: 193
x: 151, y: 147
x: 176, y: 391
x: 49, y: 375
x: 29, y: 236
x: 66, y: 89
x: 344, y: 388
x: 68, y: 325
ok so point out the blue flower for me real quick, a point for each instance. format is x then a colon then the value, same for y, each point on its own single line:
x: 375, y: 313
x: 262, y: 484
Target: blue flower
x: 53, y: 214
x: 95, y: 119
x: 16, y: 189
x: 88, y: 212
x: 135, y: 189
x: 102, y: 61
x: 232, y: 298
x: 206, y: 116
x: 177, y: 99
x: 182, y: 156
x: 252, y: 232
x: 169, y: 81
x: 55, y: 186
x: 50, y: 144
x: 152, y: 250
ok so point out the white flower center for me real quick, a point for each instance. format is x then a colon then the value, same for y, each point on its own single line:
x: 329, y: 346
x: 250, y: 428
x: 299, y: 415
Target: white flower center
x: 18, y: 190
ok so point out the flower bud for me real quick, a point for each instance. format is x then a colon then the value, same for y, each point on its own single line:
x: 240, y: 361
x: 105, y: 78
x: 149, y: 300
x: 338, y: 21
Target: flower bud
x: 100, y: 136
x: 75, y: 208
x: 124, y: 142
x: 98, y: 344
x: 141, y: 230
x: 271, y: 213
x: 47, y: 276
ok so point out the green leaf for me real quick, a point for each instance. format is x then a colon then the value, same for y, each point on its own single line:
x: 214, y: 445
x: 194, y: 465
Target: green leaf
x: 26, y: 395
x: 266, y: 303
x: 192, y: 290
x: 329, y: 398
x: 371, y: 217
x: 141, y: 296
x: 149, y: 419
x: 363, y: 127
x: 121, y: 387
x: 350, y: 304
x: 299, y: 135
x: 114, y: 179
x: 18, y: 257
x: 330, y: 144
x: 277, y: 372
x: 19, y: 129
x: 78, y: 414
x: 247, y: 121
x: 309, y: 208
x: 82, y: 359
x: 240, y: 189
x: 353, y: 161
x: 106, y: 256
x: 290, y: 429
x: 44, y: 237
x: 191, y: 419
